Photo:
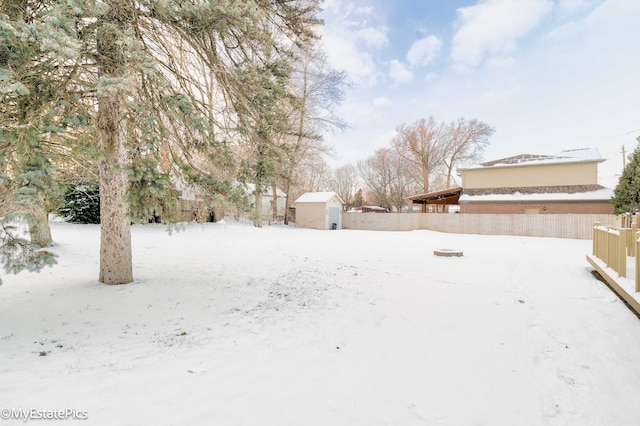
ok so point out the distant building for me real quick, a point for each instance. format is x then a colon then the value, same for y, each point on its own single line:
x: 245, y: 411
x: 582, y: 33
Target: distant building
x: 319, y: 210
x: 268, y: 201
x: 368, y: 209
x: 537, y: 184
x: 196, y: 204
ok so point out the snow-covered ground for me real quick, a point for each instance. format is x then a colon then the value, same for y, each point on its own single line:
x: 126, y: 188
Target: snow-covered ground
x: 227, y: 324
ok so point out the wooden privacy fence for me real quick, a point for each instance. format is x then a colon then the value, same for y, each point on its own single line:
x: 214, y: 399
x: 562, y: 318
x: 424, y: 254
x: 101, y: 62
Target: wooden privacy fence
x: 578, y: 226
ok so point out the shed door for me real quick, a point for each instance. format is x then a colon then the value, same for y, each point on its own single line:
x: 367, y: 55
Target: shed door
x: 334, y: 217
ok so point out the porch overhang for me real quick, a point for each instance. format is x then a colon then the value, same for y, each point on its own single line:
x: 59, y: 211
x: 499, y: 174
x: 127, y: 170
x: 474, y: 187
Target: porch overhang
x: 449, y: 196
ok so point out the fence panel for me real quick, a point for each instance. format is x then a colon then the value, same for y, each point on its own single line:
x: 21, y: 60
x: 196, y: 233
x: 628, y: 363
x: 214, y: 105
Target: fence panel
x: 577, y: 226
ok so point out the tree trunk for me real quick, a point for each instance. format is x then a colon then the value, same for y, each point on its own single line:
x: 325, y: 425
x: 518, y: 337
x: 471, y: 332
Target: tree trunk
x: 257, y: 219
x: 425, y: 180
x: 287, y: 202
x: 39, y: 230
x: 449, y: 173
x: 115, y: 226
x: 275, y: 202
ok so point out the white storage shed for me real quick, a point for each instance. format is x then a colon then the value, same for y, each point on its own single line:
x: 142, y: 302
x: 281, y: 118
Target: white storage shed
x: 319, y: 210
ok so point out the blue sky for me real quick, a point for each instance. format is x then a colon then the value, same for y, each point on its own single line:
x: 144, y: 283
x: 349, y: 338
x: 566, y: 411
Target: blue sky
x: 547, y: 74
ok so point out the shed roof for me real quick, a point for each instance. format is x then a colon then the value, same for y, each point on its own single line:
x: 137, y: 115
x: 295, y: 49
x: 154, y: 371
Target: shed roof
x: 317, y: 197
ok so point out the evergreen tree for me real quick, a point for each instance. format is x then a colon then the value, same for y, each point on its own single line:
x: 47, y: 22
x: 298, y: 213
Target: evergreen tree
x: 82, y: 203
x: 358, y: 199
x: 18, y: 254
x: 262, y: 127
x: 124, y: 73
x: 626, y: 195
x: 36, y: 58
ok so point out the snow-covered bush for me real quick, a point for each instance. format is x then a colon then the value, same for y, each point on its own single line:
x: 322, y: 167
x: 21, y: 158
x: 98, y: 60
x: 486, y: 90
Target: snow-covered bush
x: 82, y: 203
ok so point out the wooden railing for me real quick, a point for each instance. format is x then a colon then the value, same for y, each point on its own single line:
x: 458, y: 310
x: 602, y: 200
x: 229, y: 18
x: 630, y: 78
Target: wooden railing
x: 613, y: 245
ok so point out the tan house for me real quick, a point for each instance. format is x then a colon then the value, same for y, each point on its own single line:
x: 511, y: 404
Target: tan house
x: 563, y: 183
x: 319, y: 210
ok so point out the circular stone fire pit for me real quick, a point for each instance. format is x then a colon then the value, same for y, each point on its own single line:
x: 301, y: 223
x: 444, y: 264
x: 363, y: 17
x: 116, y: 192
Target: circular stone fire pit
x: 448, y: 252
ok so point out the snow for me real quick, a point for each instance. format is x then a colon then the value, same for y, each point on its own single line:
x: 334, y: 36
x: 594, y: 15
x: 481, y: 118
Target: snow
x: 227, y: 324
x: 526, y: 163
x: 268, y: 191
x: 581, y: 155
x: 597, y: 195
x: 628, y: 283
x: 316, y: 197
x: 584, y: 153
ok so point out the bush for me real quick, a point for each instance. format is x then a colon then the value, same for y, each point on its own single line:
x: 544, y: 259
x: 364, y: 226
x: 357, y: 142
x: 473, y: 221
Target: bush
x: 82, y: 203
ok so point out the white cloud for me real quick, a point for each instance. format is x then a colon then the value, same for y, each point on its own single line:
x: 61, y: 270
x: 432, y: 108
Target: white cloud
x: 571, y: 7
x: 606, y: 21
x: 349, y: 57
x: 493, y: 27
x: 399, y: 73
x: 372, y: 36
x: 432, y: 76
x: 382, y: 102
x: 423, y: 51
x: 351, y: 35
x: 382, y: 140
x: 356, y: 111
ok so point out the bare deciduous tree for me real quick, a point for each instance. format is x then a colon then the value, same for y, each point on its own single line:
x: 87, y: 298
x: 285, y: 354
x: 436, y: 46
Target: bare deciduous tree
x: 314, y: 174
x: 464, y: 142
x: 421, y: 144
x: 345, y: 183
x: 434, y: 150
x: 386, y: 177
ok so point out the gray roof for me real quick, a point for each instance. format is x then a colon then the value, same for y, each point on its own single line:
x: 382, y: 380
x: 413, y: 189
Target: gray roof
x: 582, y: 155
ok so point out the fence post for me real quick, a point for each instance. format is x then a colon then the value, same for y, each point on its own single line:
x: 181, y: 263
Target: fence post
x: 627, y: 239
x: 622, y: 253
x: 595, y: 238
x: 637, y: 244
x: 610, y: 258
x: 603, y: 248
